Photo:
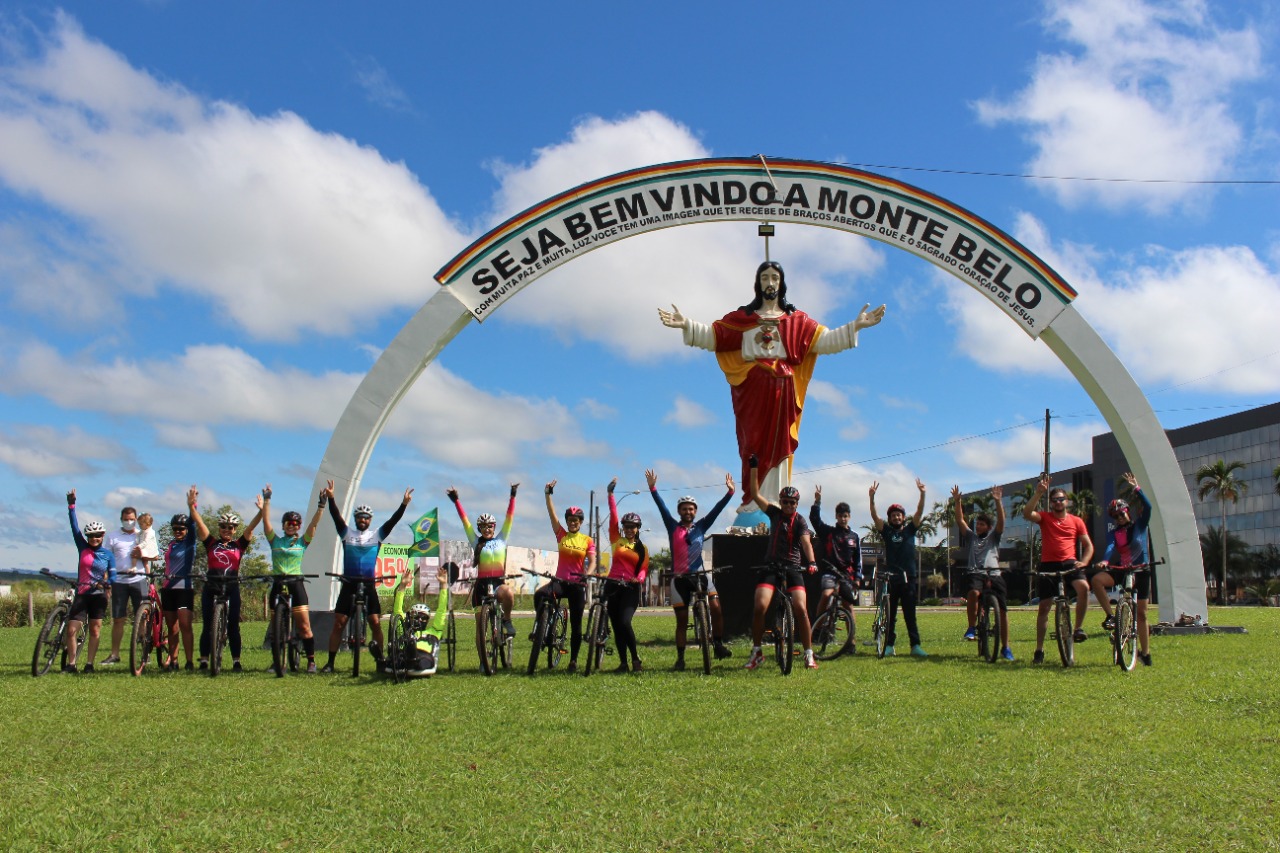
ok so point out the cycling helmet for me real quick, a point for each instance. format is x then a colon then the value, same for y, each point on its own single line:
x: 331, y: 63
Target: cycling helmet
x: 364, y: 509
x: 178, y: 520
x: 686, y: 499
x: 1116, y: 506
x: 94, y: 528
x: 228, y: 518
x: 485, y: 518
x: 790, y: 492
x: 574, y: 512
x: 897, y: 508
x: 631, y: 518
x: 295, y: 517
x: 419, y: 617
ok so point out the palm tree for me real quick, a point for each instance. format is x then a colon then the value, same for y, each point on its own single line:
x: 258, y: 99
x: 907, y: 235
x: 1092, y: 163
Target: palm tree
x: 1086, y: 504
x: 1219, y: 480
x: 1019, y: 500
x: 1276, y: 473
x: 1213, y: 543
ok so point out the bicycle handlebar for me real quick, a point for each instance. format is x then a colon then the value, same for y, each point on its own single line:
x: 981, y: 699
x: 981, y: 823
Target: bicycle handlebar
x: 1136, y: 567
x: 370, y: 579
x: 49, y: 574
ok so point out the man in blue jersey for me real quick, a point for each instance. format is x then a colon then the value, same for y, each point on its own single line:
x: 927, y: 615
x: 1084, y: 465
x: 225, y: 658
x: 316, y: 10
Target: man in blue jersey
x: 686, y: 537
x: 359, y: 560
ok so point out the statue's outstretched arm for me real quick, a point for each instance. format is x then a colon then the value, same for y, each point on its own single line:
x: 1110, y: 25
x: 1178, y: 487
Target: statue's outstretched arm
x: 846, y: 337
x: 696, y: 334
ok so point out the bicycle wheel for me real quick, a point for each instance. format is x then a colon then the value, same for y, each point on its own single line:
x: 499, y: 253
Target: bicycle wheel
x: 293, y: 647
x: 989, y: 628
x: 559, y: 630
x: 451, y: 641
x: 702, y: 631
x: 783, y: 635
x: 496, y: 637
x: 49, y: 643
x: 143, y: 638
x: 595, y: 637
x: 394, y: 651
x: 162, y: 635
x: 832, y: 633
x: 539, y: 635
x: 355, y: 638
x: 218, y: 637
x: 881, y: 627
x: 280, y: 623
x: 1126, y: 632
x: 1066, y: 636
x: 488, y: 651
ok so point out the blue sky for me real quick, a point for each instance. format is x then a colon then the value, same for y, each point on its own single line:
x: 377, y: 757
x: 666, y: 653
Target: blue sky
x: 214, y: 217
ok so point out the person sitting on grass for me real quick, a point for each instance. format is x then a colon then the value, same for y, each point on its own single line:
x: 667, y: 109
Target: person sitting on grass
x: 983, y: 546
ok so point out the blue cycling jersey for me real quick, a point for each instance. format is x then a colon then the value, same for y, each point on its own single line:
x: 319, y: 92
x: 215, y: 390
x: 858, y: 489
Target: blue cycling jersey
x: 360, y: 547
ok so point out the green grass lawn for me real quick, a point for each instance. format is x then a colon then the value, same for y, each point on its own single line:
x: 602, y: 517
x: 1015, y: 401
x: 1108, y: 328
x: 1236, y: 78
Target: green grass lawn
x: 941, y: 754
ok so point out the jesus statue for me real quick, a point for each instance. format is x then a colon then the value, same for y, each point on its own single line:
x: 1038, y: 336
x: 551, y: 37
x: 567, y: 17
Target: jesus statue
x: 767, y: 350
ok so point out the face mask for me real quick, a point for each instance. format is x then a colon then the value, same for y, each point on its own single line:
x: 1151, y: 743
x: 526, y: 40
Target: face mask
x: 129, y: 526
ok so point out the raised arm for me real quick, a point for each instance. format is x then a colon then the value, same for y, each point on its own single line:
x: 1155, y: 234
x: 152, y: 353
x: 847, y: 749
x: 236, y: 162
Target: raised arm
x: 614, y: 530
x: 81, y: 542
x: 247, y: 535
x: 339, y: 523
x: 390, y: 524
x: 467, y: 528
x: 314, y: 524
x: 265, y: 507
x: 846, y: 336
x: 651, y: 477
x: 919, y: 516
x: 511, y: 513
x: 876, y: 523
x: 202, y: 530
x: 551, y: 508
x: 710, y: 518
x: 997, y: 492
x: 959, y: 505
x: 1029, y: 508
x: 755, y: 483
x: 815, y: 512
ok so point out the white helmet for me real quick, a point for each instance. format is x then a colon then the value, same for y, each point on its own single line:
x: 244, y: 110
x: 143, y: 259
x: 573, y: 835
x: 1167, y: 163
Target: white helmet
x: 228, y: 518
x: 94, y: 527
x: 364, y: 509
x: 485, y: 518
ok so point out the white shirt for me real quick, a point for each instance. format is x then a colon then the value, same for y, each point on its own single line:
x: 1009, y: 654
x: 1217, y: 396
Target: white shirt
x: 121, y: 546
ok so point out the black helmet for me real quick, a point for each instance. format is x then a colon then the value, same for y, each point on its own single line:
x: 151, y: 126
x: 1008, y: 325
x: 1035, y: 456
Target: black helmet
x: 295, y: 517
x: 178, y: 520
x: 789, y: 493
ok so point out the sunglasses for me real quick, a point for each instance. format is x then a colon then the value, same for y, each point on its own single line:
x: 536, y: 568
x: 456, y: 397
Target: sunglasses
x: 789, y: 503
x: 94, y: 535
x: 1057, y: 500
x: 630, y: 527
x: 226, y: 527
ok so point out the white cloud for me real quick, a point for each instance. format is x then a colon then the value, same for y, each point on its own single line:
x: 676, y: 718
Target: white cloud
x: 266, y: 217
x: 593, y: 408
x: 43, y: 451
x: 1144, y: 95
x: 612, y: 296
x: 378, y: 86
x: 836, y: 401
x: 688, y: 414
x: 187, y: 437
x: 205, y: 387
x: 1019, y: 453
x: 902, y: 403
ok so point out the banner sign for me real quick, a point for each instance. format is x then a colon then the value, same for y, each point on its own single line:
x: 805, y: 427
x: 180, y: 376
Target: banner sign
x: 495, y: 267
x: 393, y: 560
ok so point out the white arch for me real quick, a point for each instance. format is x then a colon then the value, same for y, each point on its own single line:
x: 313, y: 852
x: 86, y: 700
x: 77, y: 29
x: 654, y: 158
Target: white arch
x: 563, y: 227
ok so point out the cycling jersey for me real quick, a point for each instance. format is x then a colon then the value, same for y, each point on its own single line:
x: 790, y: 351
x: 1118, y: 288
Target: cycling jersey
x: 224, y: 557
x: 686, y: 542
x: 630, y: 561
x: 840, y: 545
x: 489, y: 556
x: 785, y: 533
x: 1127, y: 546
x: 360, y: 547
x: 179, y: 557
x: 95, y: 565
x: 899, y: 547
x: 576, y: 551
x: 287, y: 553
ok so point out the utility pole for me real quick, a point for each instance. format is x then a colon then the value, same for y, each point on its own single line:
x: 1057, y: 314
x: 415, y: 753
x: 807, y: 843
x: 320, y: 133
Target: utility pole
x: 1046, y: 442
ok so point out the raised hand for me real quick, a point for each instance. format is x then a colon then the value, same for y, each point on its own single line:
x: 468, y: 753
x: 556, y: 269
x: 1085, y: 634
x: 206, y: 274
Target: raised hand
x: 728, y: 482
x: 451, y: 493
x: 514, y: 486
x: 408, y: 496
x: 550, y: 488
x: 71, y: 498
x: 328, y: 489
x: 955, y: 494
x: 817, y: 494
x: 612, y: 485
x: 868, y: 318
x: 651, y: 477
x: 875, y: 486
x: 672, y: 319
x: 192, y: 494
x: 920, y: 485
x: 259, y: 502
x: 266, y: 492
x: 997, y: 492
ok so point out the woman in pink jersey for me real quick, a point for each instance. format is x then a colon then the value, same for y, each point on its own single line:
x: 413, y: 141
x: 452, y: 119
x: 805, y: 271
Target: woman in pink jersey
x: 628, y: 568
x: 1060, y: 532
x: 577, y: 558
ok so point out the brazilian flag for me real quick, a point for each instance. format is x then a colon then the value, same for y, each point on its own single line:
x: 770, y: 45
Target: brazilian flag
x: 426, y: 536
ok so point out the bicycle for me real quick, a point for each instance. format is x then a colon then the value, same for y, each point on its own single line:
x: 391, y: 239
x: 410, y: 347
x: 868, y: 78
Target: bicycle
x: 1124, y: 634
x: 597, y: 636
x: 700, y: 607
x: 880, y: 627
x: 781, y: 623
x: 450, y: 641
x: 286, y: 645
x: 356, y: 623
x: 221, y: 585
x: 149, y: 632
x: 1062, y: 619
x: 987, y: 627
x: 495, y: 646
x: 551, y: 625
x: 53, y: 634
x: 834, y: 629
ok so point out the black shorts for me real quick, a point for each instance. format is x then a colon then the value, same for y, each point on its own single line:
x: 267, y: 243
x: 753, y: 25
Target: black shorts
x: 1048, y: 587
x: 788, y: 578
x: 844, y: 584
x: 173, y: 600
x: 978, y: 582
x: 90, y: 604
x: 482, y: 587
x: 347, y: 599
x: 297, y: 593
x: 1141, y: 581
x: 121, y: 595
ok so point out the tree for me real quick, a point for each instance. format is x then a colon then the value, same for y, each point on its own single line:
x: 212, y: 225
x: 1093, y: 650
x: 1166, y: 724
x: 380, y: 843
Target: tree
x: 1018, y: 500
x: 1085, y: 504
x: 1219, y: 480
x: 1275, y: 472
x: 1234, y: 552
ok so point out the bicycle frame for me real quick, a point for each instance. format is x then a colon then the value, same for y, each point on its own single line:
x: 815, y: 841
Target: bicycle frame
x: 355, y: 627
x: 988, y: 622
x: 826, y: 622
x: 148, y: 630
x: 700, y: 608
x: 550, y: 626
x: 51, y: 640
x: 495, y: 647
x: 1062, y: 618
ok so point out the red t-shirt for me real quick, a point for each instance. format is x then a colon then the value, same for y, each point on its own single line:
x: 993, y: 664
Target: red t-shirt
x: 1059, y: 537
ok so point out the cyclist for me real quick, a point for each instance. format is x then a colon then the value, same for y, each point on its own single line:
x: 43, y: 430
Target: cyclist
x: 359, y: 560
x: 419, y: 623
x: 789, y: 538
x: 130, y: 584
x: 983, y: 546
x: 176, y: 597
x: 628, y: 567
x: 841, y: 547
x: 1060, y: 533
x: 286, y: 559
x: 577, y: 558
x: 1127, y: 546
x: 489, y: 556
x: 899, y: 537
x: 95, y: 572
x: 686, y: 537
x: 223, y: 554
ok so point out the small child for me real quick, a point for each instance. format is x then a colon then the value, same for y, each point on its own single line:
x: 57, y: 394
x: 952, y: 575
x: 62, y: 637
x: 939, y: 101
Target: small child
x: 146, y: 548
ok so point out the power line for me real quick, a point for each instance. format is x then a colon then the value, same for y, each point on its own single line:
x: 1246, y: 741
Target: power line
x: 972, y: 173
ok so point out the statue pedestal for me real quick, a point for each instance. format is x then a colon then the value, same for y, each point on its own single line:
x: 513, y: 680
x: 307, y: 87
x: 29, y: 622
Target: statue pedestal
x: 737, y: 557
